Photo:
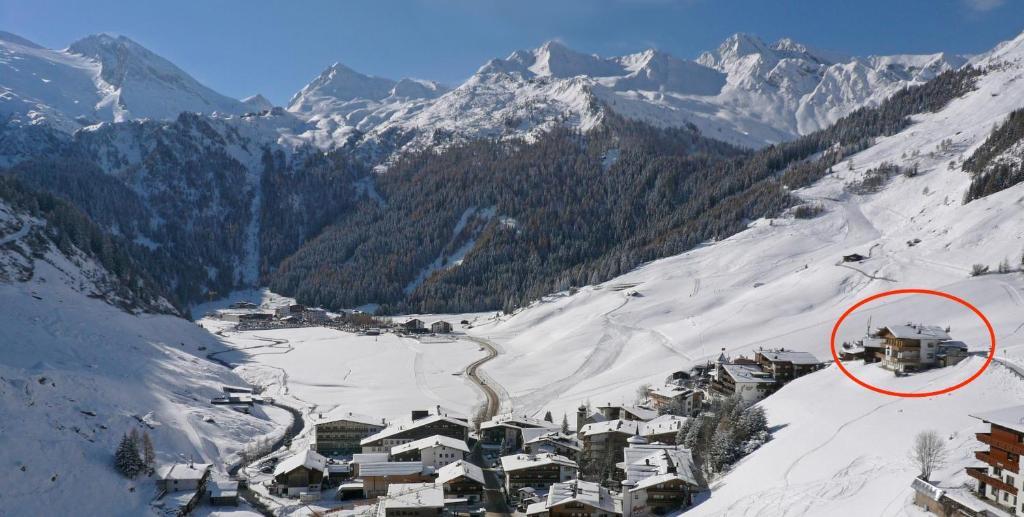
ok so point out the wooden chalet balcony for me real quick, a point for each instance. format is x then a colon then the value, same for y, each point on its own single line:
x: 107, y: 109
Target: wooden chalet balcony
x: 1014, y: 447
x: 979, y: 474
x: 995, y: 462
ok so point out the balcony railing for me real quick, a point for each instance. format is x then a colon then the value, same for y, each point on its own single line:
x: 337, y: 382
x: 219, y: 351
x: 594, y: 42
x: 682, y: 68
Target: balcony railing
x: 996, y: 462
x: 982, y: 476
x: 1014, y: 447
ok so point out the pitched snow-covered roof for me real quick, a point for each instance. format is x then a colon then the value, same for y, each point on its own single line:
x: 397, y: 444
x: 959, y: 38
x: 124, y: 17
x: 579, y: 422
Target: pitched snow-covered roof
x: 650, y: 464
x: 1010, y: 418
x: 460, y: 468
x: 182, y: 471
x: 918, y: 331
x: 748, y: 373
x: 339, y: 415
x: 393, y: 468
x: 518, y: 422
x: 399, y: 428
x: 369, y: 457
x: 414, y: 495
x: 662, y: 424
x: 643, y: 413
x: 927, y: 489
x: 524, y: 461
x: 566, y: 440
x: 790, y: 356
x: 308, y: 458
x: 431, y: 441
x: 586, y: 492
x: 670, y: 391
x: 953, y: 344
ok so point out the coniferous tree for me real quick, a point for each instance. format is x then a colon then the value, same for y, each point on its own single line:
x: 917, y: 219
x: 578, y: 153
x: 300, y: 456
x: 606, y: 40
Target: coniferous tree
x: 127, y: 459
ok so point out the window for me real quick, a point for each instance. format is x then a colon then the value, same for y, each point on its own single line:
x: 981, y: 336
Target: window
x: 1009, y: 480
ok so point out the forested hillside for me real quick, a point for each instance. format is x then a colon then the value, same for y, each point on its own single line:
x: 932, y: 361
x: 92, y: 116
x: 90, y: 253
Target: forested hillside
x: 999, y: 163
x: 491, y: 225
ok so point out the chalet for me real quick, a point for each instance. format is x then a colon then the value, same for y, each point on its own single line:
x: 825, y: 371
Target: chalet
x: 658, y: 479
x: 854, y: 257
x: 412, y: 500
x: 675, y: 398
x: 539, y: 471
x: 300, y: 473
x: 603, y: 439
x: 748, y: 381
x: 315, y: 316
x: 441, y: 327
x: 462, y: 480
x: 627, y: 412
x: 954, y: 501
x: 421, y: 426
x: 182, y: 477
x: 553, y: 442
x: 851, y: 351
x: 508, y: 430
x: 339, y: 433
x: 951, y: 353
x: 414, y: 326
x: 911, y: 347
x: 434, y: 451
x: 294, y: 309
x: 223, y: 492
x: 873, y: 349
x: 577, y: 498
x: 367, y: 457
x: 377, y: 477
x: 786, y: 365
x: 1000, y: 480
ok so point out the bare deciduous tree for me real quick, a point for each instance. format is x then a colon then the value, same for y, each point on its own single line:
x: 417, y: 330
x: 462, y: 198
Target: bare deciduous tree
x: 929, y: 453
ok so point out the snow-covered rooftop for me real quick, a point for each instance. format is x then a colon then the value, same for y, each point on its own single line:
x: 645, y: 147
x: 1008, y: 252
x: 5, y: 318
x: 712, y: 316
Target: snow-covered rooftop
x: 643, y: 413
x: 414, y: 495
x: 309, y: 458
x: 523, y: 461
x: 586, y: 492
x: 790, y: 356
x: 339, y: 415
x: 748, y: 373
x: 393, y: 468
x: 431, y: 441
x: 460, y: 468
x: 182, y: 471
x: 662, y: 424
x: 650, y: 464
x: 918, y: 331
x: 1010, y: 417
x: 398, y: 428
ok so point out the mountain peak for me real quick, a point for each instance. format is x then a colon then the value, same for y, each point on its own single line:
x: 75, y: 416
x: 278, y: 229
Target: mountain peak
x: 258, y: 102
x: 17, y: 40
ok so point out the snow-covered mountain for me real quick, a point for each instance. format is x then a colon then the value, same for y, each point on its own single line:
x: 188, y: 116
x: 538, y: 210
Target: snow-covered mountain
x: 782, y: 283
x: 745, y: 92
x: 100, y: 78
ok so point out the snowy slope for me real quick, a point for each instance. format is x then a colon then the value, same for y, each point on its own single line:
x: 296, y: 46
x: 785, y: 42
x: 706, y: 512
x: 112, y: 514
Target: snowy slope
x: 100, y: 78
x: 70, y: 387
x: 746, y: 92
x: 780, y: 283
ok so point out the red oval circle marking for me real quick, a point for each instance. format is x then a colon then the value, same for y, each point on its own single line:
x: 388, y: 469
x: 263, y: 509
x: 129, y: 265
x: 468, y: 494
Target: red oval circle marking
x: 988, y: 360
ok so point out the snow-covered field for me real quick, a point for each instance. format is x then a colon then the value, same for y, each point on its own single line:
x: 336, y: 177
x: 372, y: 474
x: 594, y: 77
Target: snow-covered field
x: 385, y: 376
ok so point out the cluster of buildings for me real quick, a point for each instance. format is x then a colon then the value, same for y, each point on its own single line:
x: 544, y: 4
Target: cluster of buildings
x: 907, y: 348
x: 250, y: 316
x: 998, y: 483
x: 181, y: 487
x: 753, y: 379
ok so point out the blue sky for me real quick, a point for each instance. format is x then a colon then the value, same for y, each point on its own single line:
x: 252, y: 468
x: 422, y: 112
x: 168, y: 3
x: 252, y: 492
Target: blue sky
x: 275, y: 47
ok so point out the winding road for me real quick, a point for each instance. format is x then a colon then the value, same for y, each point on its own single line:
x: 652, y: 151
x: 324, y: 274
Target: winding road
x: 493, y: 399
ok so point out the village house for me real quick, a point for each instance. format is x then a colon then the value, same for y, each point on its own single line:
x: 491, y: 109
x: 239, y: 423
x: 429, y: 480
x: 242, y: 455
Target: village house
x: 658, y: 479
x: 508, y: 430
x: 911, y: 347
x: 585, y: 415
x: 748, y: 381
x: 602, y: 440
x: 536, y: 471
x: 339, y: 433
x: 554, y: 442
x: 223, y: 491
x: 786, y: 365
x: 412, y: 500
x: 675, y: 398
x: 294, y: 309
x: 182, y: 477
x: 462, y: 480
x: 441, y: 327
x: 315, y: 316
x: 414, y: 326
x: 434, y: 451
x: 300, y: 473
x: 577, y: 498
x: 377, y: 477
x: 1000, y: 479
x: 627, y: 412
x: 422, y: 425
